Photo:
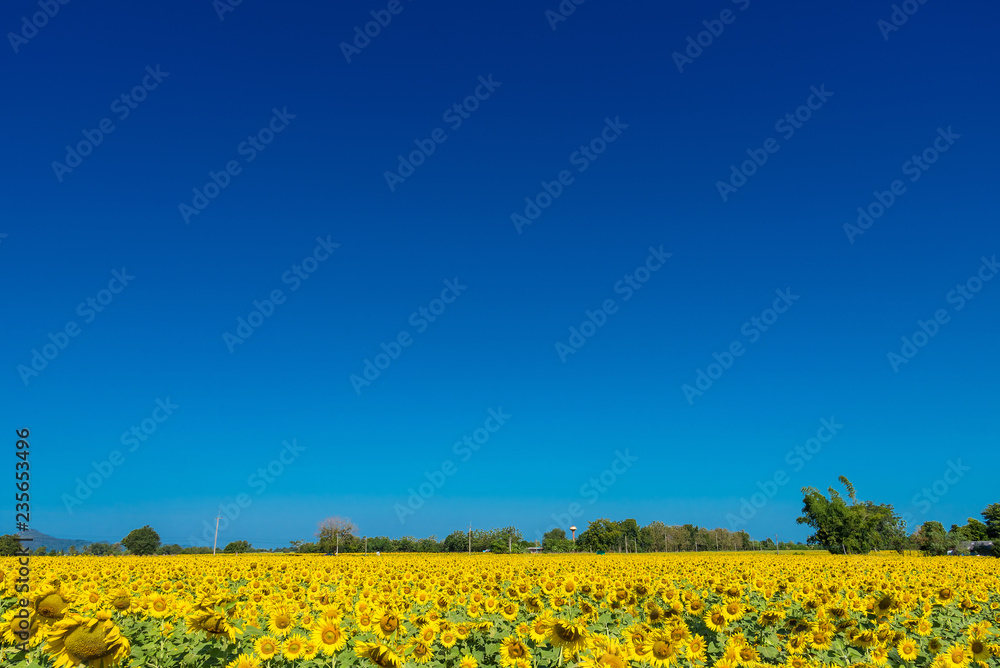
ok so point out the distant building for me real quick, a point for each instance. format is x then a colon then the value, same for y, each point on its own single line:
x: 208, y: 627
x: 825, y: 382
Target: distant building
x: 975, y: 546
x: 534, y: 549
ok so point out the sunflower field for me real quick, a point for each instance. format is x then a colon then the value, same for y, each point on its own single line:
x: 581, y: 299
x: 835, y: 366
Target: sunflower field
x: 521, y: 611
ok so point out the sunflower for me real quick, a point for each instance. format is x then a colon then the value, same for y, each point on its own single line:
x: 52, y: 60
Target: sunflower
x: 50, y: 604
x: 512, y: 649
x: 957, y: 656
x: 879, y: 655
x: 468, y: 661
x: 747, y: 656
x: 715, y: 620
x: 14, y: 629
x: 158, y: 607
x: 243, y: 661
x: 328, y: 637
x: 95, y: 641
x: 979, y: 650
x: 280, y: 622
x: 568, y: 635
x: 509, y: 611
x: 421, y: 652
x: 733, y: 611
x: 265, y: 647
x: 387, y: 624
x: 908, y: 649
x: 660, y: 652
x: 449, y: 638
x: 695, y: 649
x: 379, y: 654
x: 294, y: 646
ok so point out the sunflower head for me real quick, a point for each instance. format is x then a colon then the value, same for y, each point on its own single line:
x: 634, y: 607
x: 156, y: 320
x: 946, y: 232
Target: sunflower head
x: 76, y: 639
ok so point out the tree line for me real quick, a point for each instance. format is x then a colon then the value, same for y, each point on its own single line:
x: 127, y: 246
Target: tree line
x: 845, y: 525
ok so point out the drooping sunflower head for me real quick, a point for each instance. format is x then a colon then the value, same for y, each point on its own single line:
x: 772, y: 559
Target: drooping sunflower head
x: 512, y: 650
x: 50, y: 604
x: 568, y: 635
x: 378, y: 654
x: 95, y: 641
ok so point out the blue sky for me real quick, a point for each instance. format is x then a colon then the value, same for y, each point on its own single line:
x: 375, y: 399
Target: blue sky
x: 250, y: 155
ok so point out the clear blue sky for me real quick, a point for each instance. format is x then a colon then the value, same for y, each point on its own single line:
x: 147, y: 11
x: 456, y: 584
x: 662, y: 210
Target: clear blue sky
x: 267, y: 92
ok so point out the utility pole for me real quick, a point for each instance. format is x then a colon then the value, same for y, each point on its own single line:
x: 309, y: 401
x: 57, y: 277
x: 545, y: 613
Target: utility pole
x: 470, y: 537
x: 366, y: 545
x: 777, y: 550
x: 509, y: 544
x: 216, y: 542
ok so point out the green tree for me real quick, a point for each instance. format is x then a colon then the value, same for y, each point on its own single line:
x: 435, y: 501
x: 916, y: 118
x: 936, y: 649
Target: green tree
x: 456, y: 541
x: 976, y: 530
x: 601, y: 535
x: 335, y: 534
x: 237, y: 547
x: 992, y: 516
x: 9, y: 545
x: 933, y: 540
x: 142, y: 541
x: 850, y: 528
x: 556, y: 541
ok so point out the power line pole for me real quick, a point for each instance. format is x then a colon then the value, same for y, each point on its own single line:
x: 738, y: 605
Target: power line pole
x: 470, y: 537
x: 216, y: 542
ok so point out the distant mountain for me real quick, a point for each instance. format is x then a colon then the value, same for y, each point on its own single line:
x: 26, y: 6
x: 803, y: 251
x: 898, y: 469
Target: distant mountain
x: 50, y: 543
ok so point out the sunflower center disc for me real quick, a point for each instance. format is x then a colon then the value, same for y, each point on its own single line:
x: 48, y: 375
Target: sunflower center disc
x: 86, y: 644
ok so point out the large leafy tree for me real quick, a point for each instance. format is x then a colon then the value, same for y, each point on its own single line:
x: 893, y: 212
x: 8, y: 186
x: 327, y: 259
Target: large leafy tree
x: 556, y: 541
x: 237, y: 547
x: 601, y: 534
x: 9, y: 545
x: 142, y: 541
x: 850, y: 526
x: 933, y: 540
x: 992, y: 516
